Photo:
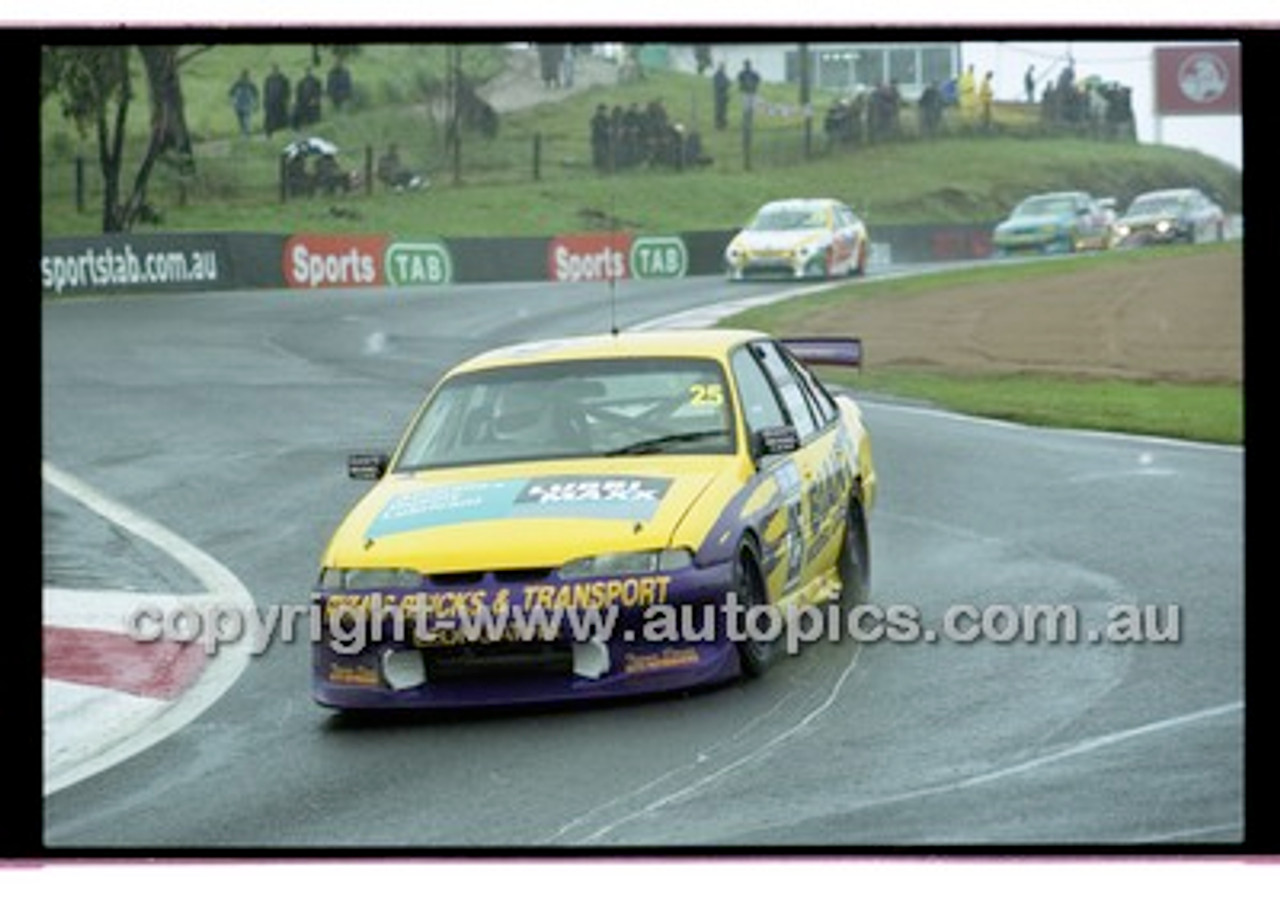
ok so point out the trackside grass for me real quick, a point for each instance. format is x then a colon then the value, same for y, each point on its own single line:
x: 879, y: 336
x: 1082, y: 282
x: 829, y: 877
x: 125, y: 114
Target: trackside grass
x: 1212, y: 412
x: 1207, y: 413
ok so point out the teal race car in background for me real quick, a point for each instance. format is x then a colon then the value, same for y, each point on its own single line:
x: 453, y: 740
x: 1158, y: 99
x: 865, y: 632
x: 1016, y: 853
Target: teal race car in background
x: 1061, y: 222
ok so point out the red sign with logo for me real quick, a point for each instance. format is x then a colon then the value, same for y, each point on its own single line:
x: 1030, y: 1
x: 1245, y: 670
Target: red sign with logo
x: 334, y: 261
x: 1203, y: 80
x: 590, y: 257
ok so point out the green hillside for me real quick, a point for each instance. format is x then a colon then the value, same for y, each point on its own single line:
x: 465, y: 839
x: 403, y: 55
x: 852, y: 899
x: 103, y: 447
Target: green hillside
x: 535, y: 177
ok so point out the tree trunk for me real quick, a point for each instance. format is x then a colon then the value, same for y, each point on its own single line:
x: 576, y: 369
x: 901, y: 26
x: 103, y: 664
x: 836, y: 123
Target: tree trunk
x: 111, y: 147
x: 170, y: 138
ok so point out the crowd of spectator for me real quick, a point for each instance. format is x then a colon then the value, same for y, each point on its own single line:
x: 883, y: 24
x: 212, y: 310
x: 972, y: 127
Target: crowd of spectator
x: 1096, y: 108
x: 1101, y: 109
x: 625, y: 138
x: 875, y: 116
x: 284, y: 105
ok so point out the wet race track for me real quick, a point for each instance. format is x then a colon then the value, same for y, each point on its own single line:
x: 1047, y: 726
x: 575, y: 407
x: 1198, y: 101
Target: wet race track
x: 198, y: 444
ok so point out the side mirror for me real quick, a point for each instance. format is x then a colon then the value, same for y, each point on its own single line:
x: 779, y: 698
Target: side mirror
x: 367, y: 466
x: 774, y: 440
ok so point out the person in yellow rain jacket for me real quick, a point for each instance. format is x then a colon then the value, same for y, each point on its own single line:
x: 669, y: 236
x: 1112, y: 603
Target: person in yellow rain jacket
x: 968, y: 94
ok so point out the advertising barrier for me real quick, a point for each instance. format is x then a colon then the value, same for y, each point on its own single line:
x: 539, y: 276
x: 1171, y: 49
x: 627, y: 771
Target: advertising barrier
x: 223, y: 261
x: 131, y: 263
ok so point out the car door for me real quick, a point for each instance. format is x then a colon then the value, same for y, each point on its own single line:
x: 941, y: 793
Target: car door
x: 805, y: 479
x: 1089, y: 220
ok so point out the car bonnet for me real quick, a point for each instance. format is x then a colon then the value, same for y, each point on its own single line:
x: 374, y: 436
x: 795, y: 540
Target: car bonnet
x: 522, y: 516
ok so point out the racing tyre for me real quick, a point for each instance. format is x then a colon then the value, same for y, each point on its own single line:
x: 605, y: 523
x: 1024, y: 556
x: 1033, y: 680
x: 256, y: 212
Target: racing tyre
x: 855, y: 559
x: 754, y: 653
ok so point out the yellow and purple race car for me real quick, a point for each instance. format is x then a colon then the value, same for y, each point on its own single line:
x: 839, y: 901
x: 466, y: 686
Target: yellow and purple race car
x: 597, y: 516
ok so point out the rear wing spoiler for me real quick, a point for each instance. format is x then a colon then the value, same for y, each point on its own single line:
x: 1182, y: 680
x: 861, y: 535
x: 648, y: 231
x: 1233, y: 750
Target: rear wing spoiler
x: 825, y: 351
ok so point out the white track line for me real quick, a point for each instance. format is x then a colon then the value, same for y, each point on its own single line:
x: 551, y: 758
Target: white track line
x: 749, y: 758
x: 1080, y: 748
x: 938, y: 413
x: 78, y: 753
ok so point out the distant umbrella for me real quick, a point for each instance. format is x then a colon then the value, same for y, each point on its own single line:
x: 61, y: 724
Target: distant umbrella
x: 310, y: 147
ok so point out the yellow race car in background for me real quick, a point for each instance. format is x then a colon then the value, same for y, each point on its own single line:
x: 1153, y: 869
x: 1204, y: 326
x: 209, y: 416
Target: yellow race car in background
x: 799, y: 238
x: 586, y: 517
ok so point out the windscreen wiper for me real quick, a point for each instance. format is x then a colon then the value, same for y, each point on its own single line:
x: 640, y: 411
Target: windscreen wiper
x: 654, y: 445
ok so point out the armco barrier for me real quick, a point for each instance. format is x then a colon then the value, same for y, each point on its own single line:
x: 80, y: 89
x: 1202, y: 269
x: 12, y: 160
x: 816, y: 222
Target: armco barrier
x: 220, y: 261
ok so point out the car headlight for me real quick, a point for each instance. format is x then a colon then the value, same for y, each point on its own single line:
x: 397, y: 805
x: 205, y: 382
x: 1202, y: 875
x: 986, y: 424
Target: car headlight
x: 335, y: 579
x: 1163, y: 226
x: 654, y: 561
x: 1122, y: 230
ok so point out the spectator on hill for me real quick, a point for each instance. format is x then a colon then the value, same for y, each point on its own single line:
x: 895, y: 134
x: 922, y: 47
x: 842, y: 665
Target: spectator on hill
x: 298, y: 182
x: 968, y: 89
x: 550, y: 59
x: 244, y: 100
x: 950, y: 92
x: 986, y: 97
x: 720, y: 92
x: 838, y: 124
x: 1067, y: 78
x: 600, y: 155
x: 338, y: 85
x: 306, y: 109
x: 329, y: 177
x: 702, y: 57
x: 748, y: 84
x: 1049, y: 111
x: 631, y: 138
x: 883, y: 113
x: 393, y: 173
x: 275, y: 101
x: 567, y: 64
x: 930, y: 110
x: 694, y: 154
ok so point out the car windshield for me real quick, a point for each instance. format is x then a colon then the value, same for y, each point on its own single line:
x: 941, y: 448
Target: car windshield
x: 588, y: 408
x: 1156, y: 206
x: 781, y: 219
x: 1046, y: 206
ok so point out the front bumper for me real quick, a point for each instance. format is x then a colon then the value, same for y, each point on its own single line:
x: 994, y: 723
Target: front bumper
x: 788, y: 265
x: 596, y: 638
x: 1032, y: 242
x: 1138, y: 237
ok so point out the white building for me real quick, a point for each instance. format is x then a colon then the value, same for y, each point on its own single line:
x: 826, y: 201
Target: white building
x: 842, y: 68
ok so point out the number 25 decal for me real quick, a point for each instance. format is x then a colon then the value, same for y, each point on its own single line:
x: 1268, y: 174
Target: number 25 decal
x: 709, y: 395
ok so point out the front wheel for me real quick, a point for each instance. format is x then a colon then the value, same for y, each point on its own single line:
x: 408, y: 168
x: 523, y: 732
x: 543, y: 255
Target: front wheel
x: 860, y: 268
x: 756, y: 652
x: 855, y: 559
